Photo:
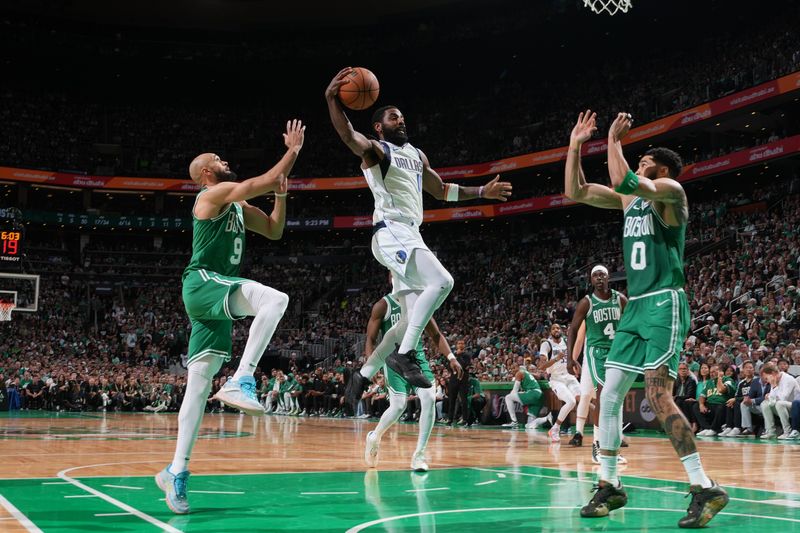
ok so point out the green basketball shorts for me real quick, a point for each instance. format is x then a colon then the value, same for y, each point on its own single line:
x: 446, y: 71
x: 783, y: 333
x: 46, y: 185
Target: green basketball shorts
x: 651, y: 332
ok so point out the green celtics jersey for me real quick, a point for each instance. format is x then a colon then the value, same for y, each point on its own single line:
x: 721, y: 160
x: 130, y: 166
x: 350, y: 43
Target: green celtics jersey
x: 653, y: 250
x: 218, y: 243
x: 392, y: 317
x: 602, y: 320
x: 528, y: 381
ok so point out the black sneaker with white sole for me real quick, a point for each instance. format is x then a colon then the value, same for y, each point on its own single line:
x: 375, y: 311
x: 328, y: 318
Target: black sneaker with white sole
x: 705, y: 504
x: 576, y: 440
x: 606, y: 498
x: 406, y: 365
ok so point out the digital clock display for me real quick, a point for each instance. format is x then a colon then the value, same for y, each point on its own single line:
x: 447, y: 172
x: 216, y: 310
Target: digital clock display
x: 10, y: 245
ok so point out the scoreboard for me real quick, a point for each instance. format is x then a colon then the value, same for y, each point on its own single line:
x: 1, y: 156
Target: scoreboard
x: 10, y: 245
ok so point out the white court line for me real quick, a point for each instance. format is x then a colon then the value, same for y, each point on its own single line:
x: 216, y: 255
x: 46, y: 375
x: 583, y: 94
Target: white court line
x: 55, y: 483
x: 112, y: 514
x: 657, y: 489
x: 18, y: 516
x: 786, y: 503
x: 123, y: 487
x: 82, y: 496
x: 428, y: 490
x: 361, y: 527
x: 324, y: 493
x: 486, y: 482
x: 124, y: 506
x: 213, y: 492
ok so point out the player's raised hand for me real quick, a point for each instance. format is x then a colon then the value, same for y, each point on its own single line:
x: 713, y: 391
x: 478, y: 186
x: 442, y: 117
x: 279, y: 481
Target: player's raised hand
x: 584, y: 128
x: 620, y: 127
x: 497, y: 190
x: 337, y: 82
x: 295, y: 135
x: 455, y: 366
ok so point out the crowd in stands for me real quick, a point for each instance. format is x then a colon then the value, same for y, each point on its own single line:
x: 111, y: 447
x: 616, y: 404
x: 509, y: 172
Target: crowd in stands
x: 84, y: 350
x: 507, y: 114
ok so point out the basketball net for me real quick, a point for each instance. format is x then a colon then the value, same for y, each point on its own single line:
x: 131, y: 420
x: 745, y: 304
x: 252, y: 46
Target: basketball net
x: 612, y: 7
x: 5, y: 311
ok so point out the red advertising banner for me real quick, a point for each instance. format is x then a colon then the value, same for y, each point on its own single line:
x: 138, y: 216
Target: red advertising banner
x: 741, y: 159
x: 687, y: 117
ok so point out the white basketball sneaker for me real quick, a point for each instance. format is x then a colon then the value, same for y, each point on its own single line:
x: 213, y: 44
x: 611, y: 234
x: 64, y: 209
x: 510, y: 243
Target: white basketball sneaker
x: 371, y: 450
x: 418, y: 463
x: 241, y: 394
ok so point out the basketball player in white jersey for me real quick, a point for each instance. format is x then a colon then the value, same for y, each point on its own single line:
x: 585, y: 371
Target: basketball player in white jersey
x: 397, y: 173
x: 564, y: 385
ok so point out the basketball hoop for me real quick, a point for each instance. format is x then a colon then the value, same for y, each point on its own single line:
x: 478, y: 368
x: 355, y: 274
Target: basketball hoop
x: 612, y: 7
x: 5, y: 310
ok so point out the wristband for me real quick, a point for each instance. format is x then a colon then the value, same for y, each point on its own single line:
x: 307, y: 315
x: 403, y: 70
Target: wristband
x: 480, y: 191
x: 451, y: 192
x: 629, y: 183
x: 451, y: 357
x: 281, y: 194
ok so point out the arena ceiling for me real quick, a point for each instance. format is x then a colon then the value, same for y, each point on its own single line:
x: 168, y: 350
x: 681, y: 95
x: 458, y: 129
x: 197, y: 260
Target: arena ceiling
x: 227, y: 14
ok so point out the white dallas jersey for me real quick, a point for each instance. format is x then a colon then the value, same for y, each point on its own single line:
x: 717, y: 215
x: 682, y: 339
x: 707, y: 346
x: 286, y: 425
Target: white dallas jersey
x: 559, y: 352
x: 396, y: 184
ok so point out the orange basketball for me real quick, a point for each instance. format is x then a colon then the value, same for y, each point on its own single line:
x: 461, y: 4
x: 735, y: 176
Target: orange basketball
x: 361, y: 90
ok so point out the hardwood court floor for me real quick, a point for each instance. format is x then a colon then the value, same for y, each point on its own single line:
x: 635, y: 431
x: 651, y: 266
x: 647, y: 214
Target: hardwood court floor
x: 68, y: 473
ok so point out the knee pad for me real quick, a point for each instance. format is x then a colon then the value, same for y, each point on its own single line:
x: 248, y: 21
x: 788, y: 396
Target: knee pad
x: 281, y: 301
x: 610, y: 400
x: 448, y: 283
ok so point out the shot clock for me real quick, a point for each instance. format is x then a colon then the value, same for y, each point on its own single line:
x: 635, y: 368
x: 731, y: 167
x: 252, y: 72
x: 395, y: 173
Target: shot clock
x: 10, y: 245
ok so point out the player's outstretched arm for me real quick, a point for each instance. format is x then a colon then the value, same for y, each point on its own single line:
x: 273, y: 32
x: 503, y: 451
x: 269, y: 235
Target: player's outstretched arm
x: 435, y: 334
x: 270, y: 226
x: 229, y: 191
x: 665, y: 190
x: 374, y: 326
x: 578, y: 318
x: 575, y: 185
x: 433, y: 184
x: 368, y: 150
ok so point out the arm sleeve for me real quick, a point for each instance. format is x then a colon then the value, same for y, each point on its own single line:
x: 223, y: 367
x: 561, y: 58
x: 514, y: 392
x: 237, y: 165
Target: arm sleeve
x: 517, y: 384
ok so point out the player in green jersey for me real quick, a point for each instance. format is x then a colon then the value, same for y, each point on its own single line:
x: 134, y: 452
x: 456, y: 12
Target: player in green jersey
x: 526, y: 391
x: 599, y: 314
x: 386, y: 313
x: 655, y: 323
x: 214, y: 295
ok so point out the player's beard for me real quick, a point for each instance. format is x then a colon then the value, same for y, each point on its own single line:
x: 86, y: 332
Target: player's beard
x: 225, y: 175
x: 395, y: 136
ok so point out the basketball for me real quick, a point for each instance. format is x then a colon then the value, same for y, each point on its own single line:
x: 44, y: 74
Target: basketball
x: 361, y: 91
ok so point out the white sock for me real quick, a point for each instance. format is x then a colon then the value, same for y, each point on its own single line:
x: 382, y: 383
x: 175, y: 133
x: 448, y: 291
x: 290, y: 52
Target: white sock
x: 608, y: 469
x: 397, y: 405
x: 387, y: 345
x: 198, y: 385
x: 267, y: 306
x: 438, y: 284
x: 697, y: 476
x: 427, y: 417
x: 596, y: 433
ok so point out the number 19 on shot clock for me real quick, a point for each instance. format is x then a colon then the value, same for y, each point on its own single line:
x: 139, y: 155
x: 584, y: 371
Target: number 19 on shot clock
x: 10, y: 245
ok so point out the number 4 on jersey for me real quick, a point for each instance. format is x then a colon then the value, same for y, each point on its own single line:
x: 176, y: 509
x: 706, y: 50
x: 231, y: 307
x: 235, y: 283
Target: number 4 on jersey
x: 609, y: 331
